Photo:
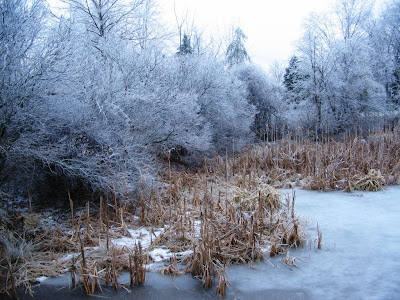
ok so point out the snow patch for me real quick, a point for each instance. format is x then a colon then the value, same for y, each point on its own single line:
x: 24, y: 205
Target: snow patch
x: 142, y: 235
x: 161, y: 254
x: 41, y: 279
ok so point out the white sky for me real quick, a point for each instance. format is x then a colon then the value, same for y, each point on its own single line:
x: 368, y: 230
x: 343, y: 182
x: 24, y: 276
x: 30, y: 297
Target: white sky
x: 272, y: 26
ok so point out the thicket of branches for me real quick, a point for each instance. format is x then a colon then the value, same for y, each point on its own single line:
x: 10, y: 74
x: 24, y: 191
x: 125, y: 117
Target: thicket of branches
x: 91, y: 100
x: 345, y: 67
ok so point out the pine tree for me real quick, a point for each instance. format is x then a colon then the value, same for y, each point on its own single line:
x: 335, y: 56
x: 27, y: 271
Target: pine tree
x: 291, y: 74
x: 185, y: 47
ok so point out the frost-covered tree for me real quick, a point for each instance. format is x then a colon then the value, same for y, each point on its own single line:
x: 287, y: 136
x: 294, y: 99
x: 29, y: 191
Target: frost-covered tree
x: 386, y: 42
x: 131, y: 113
x: 100, y: 17
x: 292, y: 74
x: 315, y: 57
x: 22, y: 64
x: 80, y: 116
x: 146, y: 30
x: 355, y: 89
x: 236, y: 52
x: 352, y: 17
x: 20, y: 59
x: 339, y: 82
x: 264, y: 95
x: 221, y: 96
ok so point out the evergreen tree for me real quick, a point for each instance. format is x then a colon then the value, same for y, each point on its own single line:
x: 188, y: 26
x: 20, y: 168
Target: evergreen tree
x: 185, y: 47
x: 291, y: 74
x: 236, y: 52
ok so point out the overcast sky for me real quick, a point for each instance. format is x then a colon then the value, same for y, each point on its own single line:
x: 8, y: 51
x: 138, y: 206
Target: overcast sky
x: 272, y: 26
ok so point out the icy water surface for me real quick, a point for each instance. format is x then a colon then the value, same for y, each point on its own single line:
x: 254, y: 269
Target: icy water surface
x: 360, y: 258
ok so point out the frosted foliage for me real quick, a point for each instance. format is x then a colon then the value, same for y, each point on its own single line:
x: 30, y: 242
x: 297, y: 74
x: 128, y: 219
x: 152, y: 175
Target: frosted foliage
x: 354, y: 87
x: 221, y: 96
x: 236, y: 52
x: 95, y: 98
x: 100, y: 118
x: 263, y: 94
x: 387, y: 40
x: 20, y: 65
x: 102, y: 18
x: 341, y: 75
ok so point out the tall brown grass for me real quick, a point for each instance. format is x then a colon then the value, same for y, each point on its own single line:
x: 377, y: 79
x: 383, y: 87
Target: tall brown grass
x: 227, y: 212
x: 352, y: 162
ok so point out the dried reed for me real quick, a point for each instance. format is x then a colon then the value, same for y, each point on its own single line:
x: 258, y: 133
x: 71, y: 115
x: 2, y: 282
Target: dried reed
x: 229, y: 212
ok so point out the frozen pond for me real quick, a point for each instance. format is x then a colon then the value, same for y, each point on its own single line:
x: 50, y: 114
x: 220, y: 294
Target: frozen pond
x: 360, y: 257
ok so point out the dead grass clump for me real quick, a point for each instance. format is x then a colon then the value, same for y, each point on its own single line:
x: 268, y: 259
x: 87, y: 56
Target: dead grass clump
x: 249, y: 200
x: 32, y: 246
x: 372, y: 181
x: 15, y: 254
x: 172, y: 268
x: 173, y: 240
x: 314, y: 183
x: 228, y: 214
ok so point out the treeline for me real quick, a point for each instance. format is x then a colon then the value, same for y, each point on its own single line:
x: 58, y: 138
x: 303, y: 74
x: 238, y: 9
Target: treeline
x: 91, y: 100
x: 347, y: 67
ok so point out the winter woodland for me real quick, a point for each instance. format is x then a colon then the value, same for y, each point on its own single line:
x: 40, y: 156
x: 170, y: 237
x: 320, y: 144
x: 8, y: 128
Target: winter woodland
x: 93, y: 99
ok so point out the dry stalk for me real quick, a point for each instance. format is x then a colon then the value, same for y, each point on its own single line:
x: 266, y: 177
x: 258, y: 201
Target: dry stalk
x: 319, y: 233
x: 221, y: 287
x: 71, y: 205
x: 12, y: 278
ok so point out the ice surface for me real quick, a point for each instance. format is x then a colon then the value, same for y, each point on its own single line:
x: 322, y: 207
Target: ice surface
x: 360, y: 257
x: 67, y: 258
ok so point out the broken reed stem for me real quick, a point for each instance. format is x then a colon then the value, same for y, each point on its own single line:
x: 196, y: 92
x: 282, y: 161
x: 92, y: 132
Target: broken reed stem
x: 114, y: 272
x: 116, y: 215
x: 85, y: 271
x: 96, y: 280
x: 73, y: 272
x: 319, y: 233
x: 101, y: 225
x: 221, y: 287
x: 30, y: 201
x: 71, y: 206
x: 107, y: 217
x: 131, y: 272
x: 108, y: 235
x: 139, y: 270
x: 12, y: 278
x: 87, y: 221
